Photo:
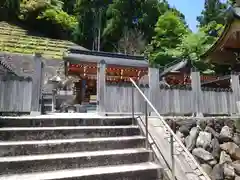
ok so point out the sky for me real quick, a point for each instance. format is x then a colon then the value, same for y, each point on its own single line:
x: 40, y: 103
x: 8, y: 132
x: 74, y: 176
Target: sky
x: 191, y: 9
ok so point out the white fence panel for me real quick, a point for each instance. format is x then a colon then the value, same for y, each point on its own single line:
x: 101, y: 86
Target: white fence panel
x: 15, y: 95
x: 170, y: 101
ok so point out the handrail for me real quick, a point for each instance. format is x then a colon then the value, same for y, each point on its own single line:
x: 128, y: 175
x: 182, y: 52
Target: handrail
x: 154, y: 142
x: 173, y: 135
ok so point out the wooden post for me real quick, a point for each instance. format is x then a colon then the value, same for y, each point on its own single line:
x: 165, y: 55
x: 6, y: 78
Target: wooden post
x: 101, y: 86
x: 37, y: 79
x: 196, y: 92
x: 153, y: 75
x: 236, y: 89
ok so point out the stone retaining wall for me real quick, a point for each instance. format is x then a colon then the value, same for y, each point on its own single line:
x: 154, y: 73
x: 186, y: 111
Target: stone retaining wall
x: 214, y: 142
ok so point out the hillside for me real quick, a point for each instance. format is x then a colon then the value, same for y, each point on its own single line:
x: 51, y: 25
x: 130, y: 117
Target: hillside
x: 14, y: 39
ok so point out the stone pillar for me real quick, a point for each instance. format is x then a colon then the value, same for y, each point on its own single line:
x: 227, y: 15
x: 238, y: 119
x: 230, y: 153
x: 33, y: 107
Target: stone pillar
x: 54, y: 94
x: 153, y: 75
x: 196, y: 92
x: 101, y: 86
x: 37, y: 78
x: 236, y: 90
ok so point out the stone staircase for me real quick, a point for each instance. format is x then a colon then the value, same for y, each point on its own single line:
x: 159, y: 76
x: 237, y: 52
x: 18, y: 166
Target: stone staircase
x: 72, y: 148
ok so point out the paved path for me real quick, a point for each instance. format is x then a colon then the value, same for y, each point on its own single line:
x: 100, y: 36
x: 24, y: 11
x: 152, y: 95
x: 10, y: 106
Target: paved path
x: 185, y: 167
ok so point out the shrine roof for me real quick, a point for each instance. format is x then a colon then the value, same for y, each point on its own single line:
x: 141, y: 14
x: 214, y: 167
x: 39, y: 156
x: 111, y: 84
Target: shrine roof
x: 229, y: 39
x: 176, y: 67
x: 76, y: 55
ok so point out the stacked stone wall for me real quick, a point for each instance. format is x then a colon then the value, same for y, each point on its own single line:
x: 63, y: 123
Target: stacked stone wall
x: 214, y: 142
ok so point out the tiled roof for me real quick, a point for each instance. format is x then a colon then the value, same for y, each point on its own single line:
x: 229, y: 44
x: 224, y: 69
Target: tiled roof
x: 6, y: 65
x: 175, y: 67
x: 14, y: 39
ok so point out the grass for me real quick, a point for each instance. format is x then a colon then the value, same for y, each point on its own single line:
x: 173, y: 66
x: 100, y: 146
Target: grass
x: 14, y: 39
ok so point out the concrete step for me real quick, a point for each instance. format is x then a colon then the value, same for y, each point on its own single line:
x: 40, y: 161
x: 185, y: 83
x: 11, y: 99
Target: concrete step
x: 66, y: 132
x: 17, y: 148
x: 51, y: 121
x: 141, y: 171
x: 52, y: 162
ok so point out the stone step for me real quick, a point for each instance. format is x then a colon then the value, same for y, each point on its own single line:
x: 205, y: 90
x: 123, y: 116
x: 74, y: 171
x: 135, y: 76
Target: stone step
x: 51, y: 162
x: 52, y: 121
x: 66, y: 132
x: 141, y: 171
x: 17, y: 148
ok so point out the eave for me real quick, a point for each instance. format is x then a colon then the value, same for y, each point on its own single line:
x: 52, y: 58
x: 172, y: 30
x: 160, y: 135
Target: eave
x: 232, y: 25
x: 77, y: 56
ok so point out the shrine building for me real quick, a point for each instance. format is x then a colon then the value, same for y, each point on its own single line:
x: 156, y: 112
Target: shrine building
x: 226, y: 50
x: 84, y: 65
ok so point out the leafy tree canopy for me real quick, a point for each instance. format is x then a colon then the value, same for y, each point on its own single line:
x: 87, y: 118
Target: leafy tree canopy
x: 124, y: 26
x: 169, y: 32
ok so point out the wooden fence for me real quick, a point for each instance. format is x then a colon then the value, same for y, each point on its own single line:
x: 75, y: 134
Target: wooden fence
x: 171, y: 101
x: 16, y: 92
x: 15, y: 95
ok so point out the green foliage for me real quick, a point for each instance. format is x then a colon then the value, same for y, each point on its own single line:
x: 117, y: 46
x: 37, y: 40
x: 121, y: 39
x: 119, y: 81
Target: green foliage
x: 10, y: 4
x: 48, y: 17
x: 169, y: 31
x: 66, y: 21
x: 91, y: 15
x: 212, y: 26
x: 125, y: 26
x: 140, y: 14
x: 193, y: 45
x: 172, y: 40
x: 69, y: 6
x: 214, y: 10
x: 82, y: 20
x: 232, y: 2
x: 9, y: 8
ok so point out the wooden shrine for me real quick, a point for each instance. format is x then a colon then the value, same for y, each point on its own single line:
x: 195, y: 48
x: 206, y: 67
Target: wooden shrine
x: 86, y: 66
x: 226, y: 50
x: 180, y: 74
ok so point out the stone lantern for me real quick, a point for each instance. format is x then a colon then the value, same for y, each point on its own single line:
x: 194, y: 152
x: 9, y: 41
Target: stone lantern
x: 55, y: 81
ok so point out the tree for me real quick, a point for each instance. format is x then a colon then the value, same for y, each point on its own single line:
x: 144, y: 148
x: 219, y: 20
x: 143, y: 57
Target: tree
x: 214, y: 10
x: 132, y: 42
x: 91, y: 15
x: 69, y: 6
x: 48, y: 17
x: 9, y: 9
x: 193, y: 45
x: 169, y: 31
x: 139, y: 14
x: 232, y: 2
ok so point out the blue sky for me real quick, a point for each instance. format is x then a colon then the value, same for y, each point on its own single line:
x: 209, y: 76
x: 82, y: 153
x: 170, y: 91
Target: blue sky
x: 190, y: 8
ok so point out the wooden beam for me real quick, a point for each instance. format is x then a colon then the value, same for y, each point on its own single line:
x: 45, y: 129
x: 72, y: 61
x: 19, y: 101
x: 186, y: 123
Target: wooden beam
x: 81, y: 58
x: 236, y: 89
x: 216, y: 80
x: 37, y: 78
x: 196, y: 92
x: 153, y: 75
x: 101, y: 86
x: 103, y: 55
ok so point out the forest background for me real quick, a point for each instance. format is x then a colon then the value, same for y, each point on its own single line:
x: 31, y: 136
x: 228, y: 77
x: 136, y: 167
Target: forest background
x: 137, y: 27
